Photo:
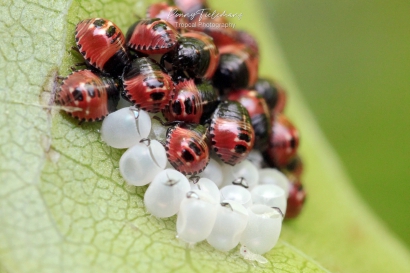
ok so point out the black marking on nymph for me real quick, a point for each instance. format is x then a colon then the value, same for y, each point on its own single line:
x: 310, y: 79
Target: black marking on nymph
x: 110, y: 31
x: 195, y: 148
x: 240, y: 149
x: 293, y: 143
x: 157, y: 96
x: 244, y: 137
x: 176, y: 107
x: 99, y: 23
x: 78, y: 95
x: 188, y: 106
x: 187, y: 156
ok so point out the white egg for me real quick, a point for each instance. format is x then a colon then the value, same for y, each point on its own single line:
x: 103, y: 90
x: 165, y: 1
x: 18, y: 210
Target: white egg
x: 263, y: 229
x: 125, y: 127
x: 244, y: 173
x: 196, y: 216
x: 140, y: 163
x: 165, y: 193
x: 271, y: 195
x: 275, y: 177
x: 208, y: 186
x: 256, y: 158
x: 238, y: 194
x: 213, y: 171
x: 231, y: 221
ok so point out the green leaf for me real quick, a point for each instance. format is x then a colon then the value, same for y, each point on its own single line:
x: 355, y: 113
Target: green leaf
x: 65, y: 208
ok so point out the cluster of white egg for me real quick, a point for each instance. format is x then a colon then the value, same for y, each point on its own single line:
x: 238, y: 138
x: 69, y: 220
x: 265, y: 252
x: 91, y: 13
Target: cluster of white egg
x: 225, y: 205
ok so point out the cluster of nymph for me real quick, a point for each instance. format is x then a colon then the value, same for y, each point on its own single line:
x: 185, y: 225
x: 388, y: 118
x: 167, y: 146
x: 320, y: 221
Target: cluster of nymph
x: 207, y: 135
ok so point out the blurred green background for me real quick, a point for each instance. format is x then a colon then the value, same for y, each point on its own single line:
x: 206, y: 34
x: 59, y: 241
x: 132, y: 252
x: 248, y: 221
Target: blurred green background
x: 351, y: 60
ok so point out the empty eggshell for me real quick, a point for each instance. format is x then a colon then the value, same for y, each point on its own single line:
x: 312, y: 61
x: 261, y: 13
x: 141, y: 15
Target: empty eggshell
x: 256, y: 158
x: 238, y: 194
x: 271, y: 195
x: 196, y: 216
x: 213, y: 172
x: 125, y: 127
x: 165, y: 193
x: 275, y: 177
x: 206, y: 185
x: 263, y: 229
x: 231, y: 221
x: 244, y: 173
x: 135, y: 162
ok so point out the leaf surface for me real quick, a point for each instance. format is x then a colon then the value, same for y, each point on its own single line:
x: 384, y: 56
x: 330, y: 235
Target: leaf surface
x: 65, y: 208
